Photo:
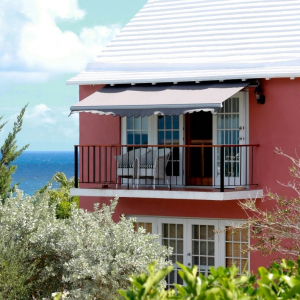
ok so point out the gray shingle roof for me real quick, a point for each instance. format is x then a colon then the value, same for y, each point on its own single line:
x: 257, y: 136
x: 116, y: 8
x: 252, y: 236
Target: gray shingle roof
x: 200, y: 40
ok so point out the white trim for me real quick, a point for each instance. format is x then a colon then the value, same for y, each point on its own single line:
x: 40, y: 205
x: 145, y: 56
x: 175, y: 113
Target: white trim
x: 220, y: 239
x: 159, y: 194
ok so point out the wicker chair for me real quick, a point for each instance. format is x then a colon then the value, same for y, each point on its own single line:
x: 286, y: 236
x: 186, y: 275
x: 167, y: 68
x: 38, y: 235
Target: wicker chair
x: 152, y: 165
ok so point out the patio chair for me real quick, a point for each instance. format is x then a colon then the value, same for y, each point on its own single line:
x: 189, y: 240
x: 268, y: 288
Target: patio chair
x: 127, y: 164
x: 152, y: 165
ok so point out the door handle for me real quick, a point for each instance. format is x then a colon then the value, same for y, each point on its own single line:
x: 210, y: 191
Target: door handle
x: 241, y: 127
x: 241, y: 138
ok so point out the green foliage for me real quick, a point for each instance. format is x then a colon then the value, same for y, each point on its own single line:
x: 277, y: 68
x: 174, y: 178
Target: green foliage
x: 86, y: 256
x: 280, y: 281
x: 61, y: 196
x: 9, y: 153
x: 16, y: 270
x: 148, y: 286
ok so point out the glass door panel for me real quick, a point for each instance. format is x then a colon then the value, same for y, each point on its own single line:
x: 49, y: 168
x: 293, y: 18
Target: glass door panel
x: 168, y: 133
x: 230, y: 130
x: 172, y: 235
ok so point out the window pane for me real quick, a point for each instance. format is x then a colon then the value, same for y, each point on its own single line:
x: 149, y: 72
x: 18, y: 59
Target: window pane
x: 137, y: 123
x: 168, y: 138
x: 137, y: 138
x: 168, y: 122
x: 173, y: 230
x: 130, y: 137
x: 227, y: 137
x: 227, y: 121
x: 211, y: 234
x: 195, y: 230
x: 175, y: 137
x: 211, y: 248
x: 179, y: 247
x: 179, y: 231
x: 161, y: 121
x: 195, y: 260
x: 145, y: 123
x: 203, y: 248
x: 161, y: 137
x: 144, y: 138
x: 175, y: 122
x: 203, y: 232
x: 235, y: 104
x: 195, y: 247
x: 165, y: 231
x: 235, y: 121
x: 228, y: 105
x: 130, y: 123
x: 220, y: 121
x: 211, y: 261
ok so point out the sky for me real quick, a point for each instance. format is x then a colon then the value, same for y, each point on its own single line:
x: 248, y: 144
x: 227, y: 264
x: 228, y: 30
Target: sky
x: 43, y: 43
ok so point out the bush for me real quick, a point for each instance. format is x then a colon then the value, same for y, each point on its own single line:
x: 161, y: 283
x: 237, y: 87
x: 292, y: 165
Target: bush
x: 280, y: 281
x: 87, y: 254
x: 16, y: 270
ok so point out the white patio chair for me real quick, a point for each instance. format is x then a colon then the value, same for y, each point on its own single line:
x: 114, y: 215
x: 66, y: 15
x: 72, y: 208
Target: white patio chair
x: 152, y: 165
x: 127, y: 164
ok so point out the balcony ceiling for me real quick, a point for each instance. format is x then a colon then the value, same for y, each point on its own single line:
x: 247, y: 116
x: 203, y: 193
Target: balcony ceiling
x: 201, y: 40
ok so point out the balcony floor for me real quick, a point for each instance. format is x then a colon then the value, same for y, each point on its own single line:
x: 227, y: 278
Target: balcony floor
x: 163, y: 192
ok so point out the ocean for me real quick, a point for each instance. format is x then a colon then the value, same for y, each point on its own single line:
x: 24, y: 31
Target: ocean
x: 36, y: 168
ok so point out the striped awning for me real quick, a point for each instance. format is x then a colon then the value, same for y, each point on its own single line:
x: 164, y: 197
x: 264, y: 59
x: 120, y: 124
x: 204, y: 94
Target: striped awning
x: 147, y: 100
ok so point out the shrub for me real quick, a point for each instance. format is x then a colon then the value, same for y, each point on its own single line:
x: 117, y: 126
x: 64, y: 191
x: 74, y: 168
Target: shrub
x: 280, y: 281
x: 87, y: 254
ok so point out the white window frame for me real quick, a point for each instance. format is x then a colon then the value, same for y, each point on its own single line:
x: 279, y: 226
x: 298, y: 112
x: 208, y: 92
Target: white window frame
x: 220, y: 238
x: 244, y: 122
x: 153, y: 140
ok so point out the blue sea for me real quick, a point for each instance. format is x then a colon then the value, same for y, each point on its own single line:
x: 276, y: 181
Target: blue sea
x: 36, y: 168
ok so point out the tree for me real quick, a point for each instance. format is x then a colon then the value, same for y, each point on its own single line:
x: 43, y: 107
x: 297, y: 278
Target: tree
x: 61, y: 196
x: 88, y: 255
x: 9, y: 153
x: 277, y: 229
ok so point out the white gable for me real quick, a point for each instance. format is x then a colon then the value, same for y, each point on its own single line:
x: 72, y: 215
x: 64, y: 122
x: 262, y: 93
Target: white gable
x: 200, y: 40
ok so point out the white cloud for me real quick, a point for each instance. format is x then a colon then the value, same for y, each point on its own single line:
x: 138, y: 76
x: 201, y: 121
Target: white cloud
x: 40, y: 115
x: 31, y: 41
x: 44, y: 128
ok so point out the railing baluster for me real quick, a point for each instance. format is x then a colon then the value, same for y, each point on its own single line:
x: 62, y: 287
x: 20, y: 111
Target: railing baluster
x: 236, y: 165
x: 222, y: 173
x: 76, y: 166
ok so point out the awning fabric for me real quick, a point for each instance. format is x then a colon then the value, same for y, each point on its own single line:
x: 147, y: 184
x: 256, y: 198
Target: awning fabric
x: 158, y: 99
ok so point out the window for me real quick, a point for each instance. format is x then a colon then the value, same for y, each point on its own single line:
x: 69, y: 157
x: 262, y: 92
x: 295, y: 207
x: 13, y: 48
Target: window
x: 236, y: 247
x: 137, y: 130
x: 194, y: 242
x: 168, y: 134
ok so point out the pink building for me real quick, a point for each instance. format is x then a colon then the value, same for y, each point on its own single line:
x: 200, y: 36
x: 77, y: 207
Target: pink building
x: 171, y: 124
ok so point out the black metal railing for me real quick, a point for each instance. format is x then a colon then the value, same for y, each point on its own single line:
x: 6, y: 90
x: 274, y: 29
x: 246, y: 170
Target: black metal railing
x: 216, y: 166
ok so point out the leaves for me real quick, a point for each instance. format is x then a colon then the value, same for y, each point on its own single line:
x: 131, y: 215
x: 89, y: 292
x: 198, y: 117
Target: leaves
x: 9, y: 153
x: 87, y: 254
x: 280, y: 281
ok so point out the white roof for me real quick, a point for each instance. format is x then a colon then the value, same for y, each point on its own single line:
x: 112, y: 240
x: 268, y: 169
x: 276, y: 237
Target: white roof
x: 201, y: 40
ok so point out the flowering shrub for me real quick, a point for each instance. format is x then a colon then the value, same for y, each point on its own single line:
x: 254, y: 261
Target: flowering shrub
x: 87, y: 254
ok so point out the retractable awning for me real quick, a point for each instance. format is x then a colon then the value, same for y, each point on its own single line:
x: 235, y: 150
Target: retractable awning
x: 160, y: 99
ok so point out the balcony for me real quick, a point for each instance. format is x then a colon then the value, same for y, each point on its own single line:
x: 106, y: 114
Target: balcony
x: 169, y: 171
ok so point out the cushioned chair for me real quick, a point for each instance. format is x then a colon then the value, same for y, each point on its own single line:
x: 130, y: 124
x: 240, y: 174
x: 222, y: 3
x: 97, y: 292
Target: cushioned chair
x: 127, y: 164
x: 152, y: 165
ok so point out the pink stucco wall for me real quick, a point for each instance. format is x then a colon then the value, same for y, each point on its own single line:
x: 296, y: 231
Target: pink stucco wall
x: 274, y: 124
x: 94, y: 130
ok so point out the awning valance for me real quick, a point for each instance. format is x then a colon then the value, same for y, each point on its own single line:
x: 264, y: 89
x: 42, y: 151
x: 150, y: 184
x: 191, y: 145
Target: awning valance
x: 159, y: 99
